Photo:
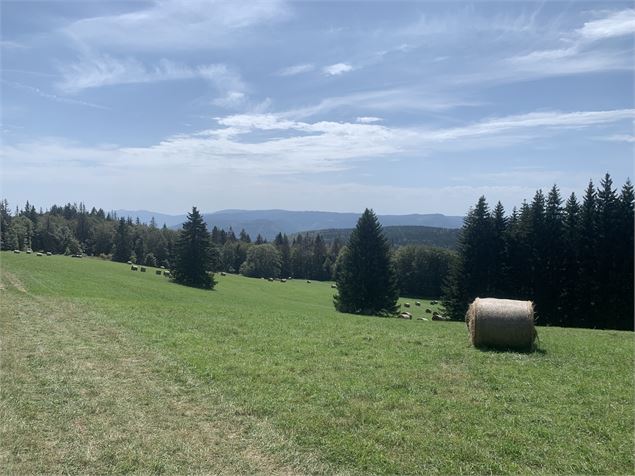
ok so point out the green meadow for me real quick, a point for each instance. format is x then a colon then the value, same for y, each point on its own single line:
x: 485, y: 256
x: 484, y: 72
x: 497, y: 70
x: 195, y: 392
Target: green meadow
x: 105, y: 370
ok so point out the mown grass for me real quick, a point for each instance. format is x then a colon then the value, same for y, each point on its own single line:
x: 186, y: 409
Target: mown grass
x: 283, y: 383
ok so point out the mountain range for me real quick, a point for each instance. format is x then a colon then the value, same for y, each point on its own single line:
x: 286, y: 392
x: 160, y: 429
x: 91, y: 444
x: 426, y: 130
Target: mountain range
x: 269, y: 223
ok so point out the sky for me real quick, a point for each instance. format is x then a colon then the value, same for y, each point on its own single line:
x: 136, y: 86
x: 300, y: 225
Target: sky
x: 403, y: 107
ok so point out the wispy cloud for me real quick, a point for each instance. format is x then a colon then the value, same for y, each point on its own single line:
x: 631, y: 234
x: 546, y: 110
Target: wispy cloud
x: 618, y: 23
x: 296, y: 69
x: 95, y: 71
x: 619, y: 138
x: 52, y: 97
x: 337, y: 69
x: 169, y: 25
x: 11, y: 45
x: 580, y: 55
x: 399, y: 99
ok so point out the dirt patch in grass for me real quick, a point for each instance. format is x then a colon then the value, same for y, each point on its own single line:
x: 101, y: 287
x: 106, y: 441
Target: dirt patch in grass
x: 78, y: 395
x: 13, y: 281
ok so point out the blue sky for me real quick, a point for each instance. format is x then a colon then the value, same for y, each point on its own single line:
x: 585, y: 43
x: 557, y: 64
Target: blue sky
x: 400, y: 106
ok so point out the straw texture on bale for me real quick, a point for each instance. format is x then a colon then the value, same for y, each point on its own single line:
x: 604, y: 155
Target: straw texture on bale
x: 501, y: 323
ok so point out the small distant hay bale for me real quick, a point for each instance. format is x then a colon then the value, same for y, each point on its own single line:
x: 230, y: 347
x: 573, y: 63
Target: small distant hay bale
x: 38, y: 254
x: 17, y: 252
x: 334, y: 286
x: 162, y: 267
x: 157, y: 271
x: 166, y: 273
x: 308, y: 281
x: 405, y: 315
x: 428, y: 310
x: 406, y: 304
x: 133, y: 268
x: 283, y: 280
x: 223, y: 273
x: 434, y: 303
x: 28, y: 252
x: 501, y: 323
x: 143, y: 270
x: 422, y: 318
x: 48, y: 253
x: 270, y: 280
x: 129, y: 262
x: 417, y: 303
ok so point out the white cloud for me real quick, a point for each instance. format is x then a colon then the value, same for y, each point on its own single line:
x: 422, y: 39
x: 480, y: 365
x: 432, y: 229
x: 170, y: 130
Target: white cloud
x: 619, y: 23
x: 296, y: 69
x: 337, y: 69
x: 368, y: 119
x: 168, y: 25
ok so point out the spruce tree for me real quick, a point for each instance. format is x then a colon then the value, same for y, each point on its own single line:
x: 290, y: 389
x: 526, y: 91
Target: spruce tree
x: 366, y: 280
x: 192, y: 254
x: 123, y: 242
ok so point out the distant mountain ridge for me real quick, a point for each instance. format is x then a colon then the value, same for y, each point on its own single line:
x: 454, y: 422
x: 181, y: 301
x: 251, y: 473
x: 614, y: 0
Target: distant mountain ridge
x: 269, y: 223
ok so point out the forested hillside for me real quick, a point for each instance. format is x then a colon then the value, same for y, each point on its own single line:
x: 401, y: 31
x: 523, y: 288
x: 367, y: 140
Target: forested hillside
x: 401, y: 235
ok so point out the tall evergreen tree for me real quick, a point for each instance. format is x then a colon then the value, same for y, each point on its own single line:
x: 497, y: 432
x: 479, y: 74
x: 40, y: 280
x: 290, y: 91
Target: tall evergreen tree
x: 192, y: 254
x: 474, y: 267
x: 123, y: 242
x: 366, y: 281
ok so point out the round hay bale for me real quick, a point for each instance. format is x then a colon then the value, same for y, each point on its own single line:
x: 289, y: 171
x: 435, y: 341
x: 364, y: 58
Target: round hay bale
x: 501, y: 323
x: 158, y: 271
x: 143, y: 270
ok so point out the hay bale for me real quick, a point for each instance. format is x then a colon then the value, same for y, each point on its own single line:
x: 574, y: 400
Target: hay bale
x: 283, y: 280
x: 422, y: 318
x: 129, y: 262
x: 162, y: 267
x: 143, y: 270
x: 501, y: 323
x: 333, y: 286
x: 270, y: 280
x: 406, y: 304
x: 133, y: 268
x: 166, y: 273
x: 157, y: 271
x: 28, y: 252
x: 48, y: 253
x: 38, y: 254
x: 222, y: 273
x: 309, y: 282
x: 405, y: 315
x: 417, y: 303
x: 428, y: 310
x: 17, y: 252
x: 434, y: 303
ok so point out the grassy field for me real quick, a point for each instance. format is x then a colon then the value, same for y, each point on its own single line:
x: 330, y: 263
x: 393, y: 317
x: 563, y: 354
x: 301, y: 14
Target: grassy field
x: 107, y: 370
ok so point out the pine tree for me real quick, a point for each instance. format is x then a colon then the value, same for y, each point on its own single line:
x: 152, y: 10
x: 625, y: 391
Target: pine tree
x: 626, y: 252
x: 192, y: 254
x: 366, y: 281
x: 553, y: 248
x: 587, y: 289
x: 570, y: 305
x: 123, y: 242
x: 473, y: 269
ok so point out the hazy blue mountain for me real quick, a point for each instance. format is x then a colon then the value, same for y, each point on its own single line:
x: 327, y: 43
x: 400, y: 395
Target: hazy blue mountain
x: 269, y: 222
x: 145, y: 216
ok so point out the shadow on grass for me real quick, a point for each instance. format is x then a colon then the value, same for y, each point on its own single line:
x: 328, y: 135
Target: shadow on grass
x: 498, y: 350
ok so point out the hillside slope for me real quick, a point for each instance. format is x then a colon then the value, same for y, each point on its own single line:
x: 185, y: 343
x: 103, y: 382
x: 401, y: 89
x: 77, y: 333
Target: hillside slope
x: 107, y: 370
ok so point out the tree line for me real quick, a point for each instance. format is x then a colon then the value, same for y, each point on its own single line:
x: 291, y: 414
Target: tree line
x: 573, y: 259
x: 73, y: 229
